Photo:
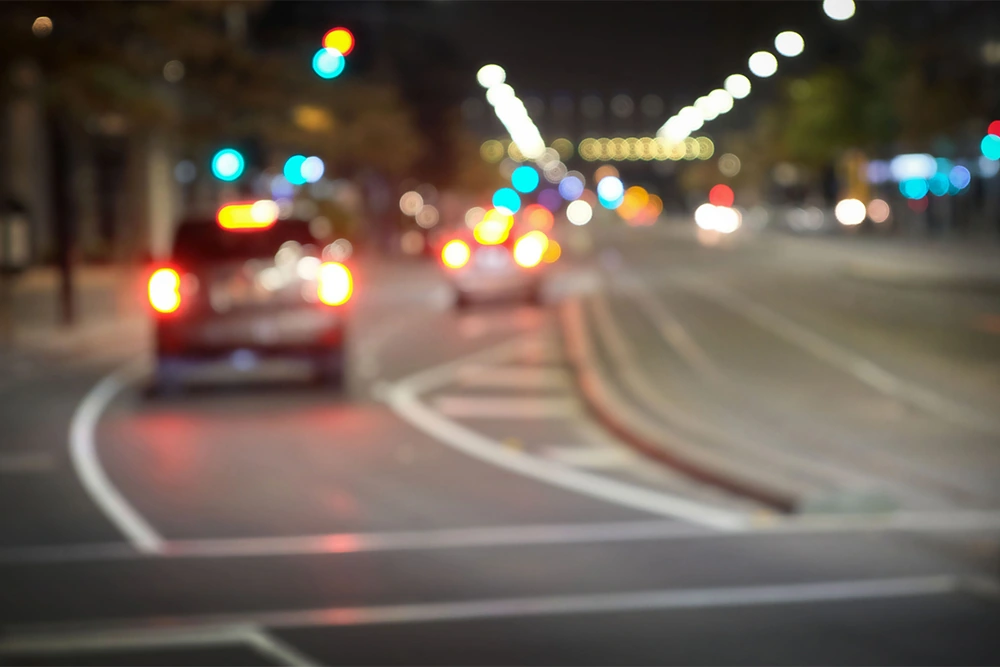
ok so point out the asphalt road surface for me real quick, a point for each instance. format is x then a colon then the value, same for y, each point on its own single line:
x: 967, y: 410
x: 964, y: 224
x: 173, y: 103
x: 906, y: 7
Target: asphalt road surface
x: 457, y: 504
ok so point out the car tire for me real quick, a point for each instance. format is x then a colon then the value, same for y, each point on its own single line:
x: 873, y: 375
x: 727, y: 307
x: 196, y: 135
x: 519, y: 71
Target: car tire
x: 330, y: 369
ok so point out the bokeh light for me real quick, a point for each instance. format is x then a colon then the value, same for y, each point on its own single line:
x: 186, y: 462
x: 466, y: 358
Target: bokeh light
x: 610, y: 189
x: 550, y: 199
x: 913, y: 188
x: 312, y: 169
x: 530, y: 248
x: 491, y: 75
x: 721, y: 100
x: 571, y: 187
x: 918, y: 205
x: 564, y: 147
x: 705, y: 106
x: 960, y: 177
x: 839, y: 10
x: 763, y: 64
x: 850, y: 212
x: 491, y: 150
x: 411, y: 202
x: 604, y: 172
x: 494, y: 228
x: 524, y: 179
x: 878, y: 210
x: 328, y: 63
x: 789, y: 43
x: 42, y: 26
x: 552, y: 253
x: 579, y: 212
x: 227, y: 164
x: 293, y: 169
x: 473, y: 216
x: 173, y: 71
x: 427, y: 216
x: 455, y: 254
x: 994, y: 128
x: 737, y: 85
x: 990, y: 146
x: 938, y: 184
x: 537, y: 216
x: 729, y: 165
x: 508, y: 199
x: 988, y: 168
x: 721, y: 195
x: 340, y: 39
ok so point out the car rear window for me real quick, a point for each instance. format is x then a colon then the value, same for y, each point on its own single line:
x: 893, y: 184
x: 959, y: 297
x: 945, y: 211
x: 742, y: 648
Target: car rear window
x: 204, y: 241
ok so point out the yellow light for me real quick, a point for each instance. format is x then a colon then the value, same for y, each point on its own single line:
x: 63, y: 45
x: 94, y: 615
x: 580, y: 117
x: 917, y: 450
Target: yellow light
x: 257, y: 215
x: 455, y: 254
x: 312, y: 118
x: 530, y: 248
x: 340, y: 39
x: 705, y: 148
x: 552, y: 253
x: 164, y: 290
x: 491, y: 150
x: 335, y: 284
x: 494, y: 228
x: 564, y: 147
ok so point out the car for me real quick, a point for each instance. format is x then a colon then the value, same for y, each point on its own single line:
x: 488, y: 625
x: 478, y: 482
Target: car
x: 495, y: 260
x: 246, y: 286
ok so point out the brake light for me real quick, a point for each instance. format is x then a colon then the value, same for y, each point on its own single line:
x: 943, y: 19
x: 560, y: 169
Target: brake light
x: 257, y: 215
x: 335, y: 283
x: 165, y: 290
x: 455, y: 254
x: 493, y: 228
x: 530, y: 248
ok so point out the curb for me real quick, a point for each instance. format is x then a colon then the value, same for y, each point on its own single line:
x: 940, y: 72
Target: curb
x: 617, y: 415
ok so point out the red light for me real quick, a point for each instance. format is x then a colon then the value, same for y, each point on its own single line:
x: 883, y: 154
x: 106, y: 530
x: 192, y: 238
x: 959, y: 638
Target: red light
x: 994, y: 128
x: 538, y: 217
x: 530, y: 249
x: 721, y: 195
x: 339, y: 38
x: 455, y: 254
x: 165, y: 290
x: 918, y: 205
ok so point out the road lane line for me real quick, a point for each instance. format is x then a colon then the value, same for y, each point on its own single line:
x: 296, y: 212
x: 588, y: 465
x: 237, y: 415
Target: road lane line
x: 86, y: 463
x: 597, y: 457
x: 403, y: 398
x: 846, y: 360
x: 507, y: 407
x: 519, y: 377
x: 25, y: 640
x: 281, y: 652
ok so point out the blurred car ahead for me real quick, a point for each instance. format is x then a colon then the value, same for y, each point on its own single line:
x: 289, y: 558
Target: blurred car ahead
x: 247, y: 286
x: 495, y: 261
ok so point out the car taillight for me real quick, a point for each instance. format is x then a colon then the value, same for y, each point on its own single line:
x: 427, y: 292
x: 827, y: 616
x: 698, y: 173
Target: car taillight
x: 530, y: 248
x: 334, y: 283
x: 165, y: 290
x: 455, y: 254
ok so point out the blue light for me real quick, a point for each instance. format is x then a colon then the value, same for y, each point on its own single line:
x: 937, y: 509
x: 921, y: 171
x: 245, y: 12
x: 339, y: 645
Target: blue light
x: 611, y: 203
x: 293, y: 169
x: 227, y: 165
x: 550, y: 199
x: 570, y: 188
x: 610, y: 189
x: 988, y: 168
x: 990, y: 146
x: 281, y: 188
x: 913, y: 188
x: 960, y: 177
x: 312, y: 169
x: 938, y: 184
x: 508, y: 199
x: 328, y: 63
x: 524, y: 179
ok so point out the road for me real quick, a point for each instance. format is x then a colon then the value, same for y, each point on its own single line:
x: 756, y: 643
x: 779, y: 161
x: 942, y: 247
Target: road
x: 457, y: 503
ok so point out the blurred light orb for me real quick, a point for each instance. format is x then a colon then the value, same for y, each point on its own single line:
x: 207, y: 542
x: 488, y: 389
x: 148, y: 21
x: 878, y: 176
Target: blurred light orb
x: 564, y: 147
x: 227, y: 165
x: 410, y: 203
x: 994, y: 128
x: 763, y: 64
x: 500, y: 94
x: 491, y: 151
x: 721, y: 195
x: 839, y: 10
x: 555, y: 172
x: 524, y: 179
x: 691, y: 118
x: 340, y: 39
x: 737, y: 85
x: 721, y: 101
x: 912, y: 165
x: 988, y: 168
x: 878, y: 210
x: 704, y: 216
x: 552, y: 253
x: 571, y: 187
x: 42, y: 26
x: 312, y: 169
x: 705, y: 106
x: 550, y: 199
x: 850, y: 212
x: 427, y: 216
x: 610, y: 188
x: 990, y: 146
x: 622, y: 106
x: 960, y: 177
x: 611, y: 204
x: 729, y: 165
x: 185, y: 172
x: 507, y: 199
x: 913, y: 188
x: 328, y: 63
x: 579, y: 212
x: 173, y: 71
x: 538, y: 217
x: 491, y: 75
x: 789, y: 43
x: 938, y: 184
x: 605, y: 171
x: 878, y: 171
x: 412, y: 242
x: 293, y: 169
x: 473, y: 216
x: 726, y: 220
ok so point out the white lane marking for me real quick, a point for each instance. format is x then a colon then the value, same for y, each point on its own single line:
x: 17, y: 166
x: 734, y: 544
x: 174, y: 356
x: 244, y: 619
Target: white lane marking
x: 506, y: 407
x: 18, y: 640
x: 113, y: 640
x: 846, y: 360
x: 761, y: 525
x: 594, y: 457
x: 83, y: 454
x: 26, y: 462
x: 520, y: 377
x: 402, y: 397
